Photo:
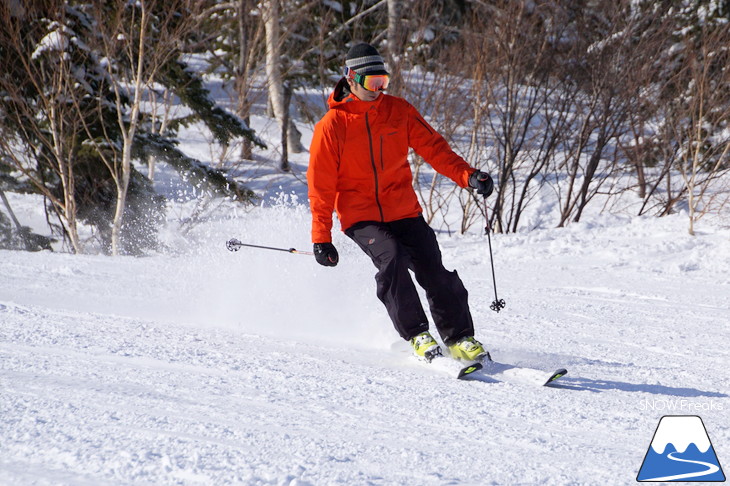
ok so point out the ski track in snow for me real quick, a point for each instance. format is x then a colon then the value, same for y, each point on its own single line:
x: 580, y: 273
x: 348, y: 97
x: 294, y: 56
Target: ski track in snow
x: 259, y: 368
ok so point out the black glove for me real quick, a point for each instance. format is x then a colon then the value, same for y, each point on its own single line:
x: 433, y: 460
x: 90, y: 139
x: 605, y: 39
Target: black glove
x: 482, y: 182
x: 326, y: 254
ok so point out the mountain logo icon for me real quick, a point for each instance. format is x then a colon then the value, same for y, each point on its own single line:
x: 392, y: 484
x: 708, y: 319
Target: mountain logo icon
x: 681, y: 451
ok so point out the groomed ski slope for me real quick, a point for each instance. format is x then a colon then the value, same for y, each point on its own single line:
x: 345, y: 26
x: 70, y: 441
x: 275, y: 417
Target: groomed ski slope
x: 218, y: 368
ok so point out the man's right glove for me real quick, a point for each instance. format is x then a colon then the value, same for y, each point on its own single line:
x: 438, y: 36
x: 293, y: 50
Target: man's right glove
x: 482, y: 182
x: 326, y: 254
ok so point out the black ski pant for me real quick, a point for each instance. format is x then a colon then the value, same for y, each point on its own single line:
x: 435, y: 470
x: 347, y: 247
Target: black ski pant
x: 410, y: 244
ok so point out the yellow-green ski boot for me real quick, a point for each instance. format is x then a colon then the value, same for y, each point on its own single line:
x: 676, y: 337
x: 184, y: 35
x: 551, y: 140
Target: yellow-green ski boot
x: 425, y: 346
x: 468, y: 349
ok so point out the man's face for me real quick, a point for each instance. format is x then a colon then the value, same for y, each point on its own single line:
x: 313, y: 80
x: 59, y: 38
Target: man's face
x: 361, y: 93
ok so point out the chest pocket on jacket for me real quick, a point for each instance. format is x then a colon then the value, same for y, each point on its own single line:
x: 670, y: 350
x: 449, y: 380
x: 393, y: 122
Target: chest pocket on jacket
x: 392, y: 149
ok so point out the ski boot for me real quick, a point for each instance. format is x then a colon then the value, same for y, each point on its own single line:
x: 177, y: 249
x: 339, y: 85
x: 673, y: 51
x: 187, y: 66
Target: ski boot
x: 469, y: 349
x: 425, y: 346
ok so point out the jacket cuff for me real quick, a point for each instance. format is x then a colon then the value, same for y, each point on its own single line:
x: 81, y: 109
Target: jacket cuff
x: 321, y: 236
x: 464, y: 182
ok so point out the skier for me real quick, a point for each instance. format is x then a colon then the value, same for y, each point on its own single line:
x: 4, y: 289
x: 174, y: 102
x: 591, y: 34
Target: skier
x: 358, y: 167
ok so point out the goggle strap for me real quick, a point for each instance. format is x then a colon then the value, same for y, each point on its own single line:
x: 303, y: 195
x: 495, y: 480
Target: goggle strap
x: 350, y: 73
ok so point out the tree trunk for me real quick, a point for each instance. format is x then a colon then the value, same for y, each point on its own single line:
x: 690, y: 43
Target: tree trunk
x: 118, y: 218
x: 128, y: 131
x: 285, y: 130
x: 273, y: 70
x: 242, y: 78
x: 641, y: 178
x: 151, y: 168
x: 395, y: 46
x: 66, y: 176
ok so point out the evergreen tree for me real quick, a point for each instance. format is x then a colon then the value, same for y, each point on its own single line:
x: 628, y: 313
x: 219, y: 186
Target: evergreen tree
x: 61, y: 107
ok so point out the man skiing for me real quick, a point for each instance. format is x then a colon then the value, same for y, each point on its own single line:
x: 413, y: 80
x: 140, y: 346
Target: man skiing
x: 359, y: 168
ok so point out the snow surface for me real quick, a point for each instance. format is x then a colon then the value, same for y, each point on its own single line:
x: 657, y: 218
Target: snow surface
x: 256, y: 367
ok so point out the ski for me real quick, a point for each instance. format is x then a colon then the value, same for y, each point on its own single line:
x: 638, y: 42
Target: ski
x: 518, y: 374
x: 557, y: 374
x: 468, y: 370
x: 485, y: 369
x: 451, y: 367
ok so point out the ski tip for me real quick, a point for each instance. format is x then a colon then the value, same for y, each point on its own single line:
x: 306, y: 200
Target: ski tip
x: 556, y: 375
x: 468, y: 370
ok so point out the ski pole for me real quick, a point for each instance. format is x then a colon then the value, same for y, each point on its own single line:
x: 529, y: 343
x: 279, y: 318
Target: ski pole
x: 234, y: 245
x: 498, y: 303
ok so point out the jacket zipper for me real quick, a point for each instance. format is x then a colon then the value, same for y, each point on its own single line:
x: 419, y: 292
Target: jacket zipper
x: 375, y: 169
x: 382, y: 163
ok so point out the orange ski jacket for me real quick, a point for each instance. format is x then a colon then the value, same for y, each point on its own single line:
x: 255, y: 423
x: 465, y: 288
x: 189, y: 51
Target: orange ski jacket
x: 358, y: 162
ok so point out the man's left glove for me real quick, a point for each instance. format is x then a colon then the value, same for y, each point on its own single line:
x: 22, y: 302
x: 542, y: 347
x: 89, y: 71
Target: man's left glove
x: 326, y: 254
x: 482, y: 182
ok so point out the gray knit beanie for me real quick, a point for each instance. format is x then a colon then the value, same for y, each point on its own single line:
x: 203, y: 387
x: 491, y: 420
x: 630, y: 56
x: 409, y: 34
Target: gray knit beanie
x: 364, y: 59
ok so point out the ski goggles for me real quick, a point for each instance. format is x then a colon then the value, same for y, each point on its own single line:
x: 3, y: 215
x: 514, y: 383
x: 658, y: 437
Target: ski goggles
x: 371, y: 82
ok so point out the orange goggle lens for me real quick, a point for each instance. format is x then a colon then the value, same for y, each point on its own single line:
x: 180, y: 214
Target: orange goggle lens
x: 371, y: 82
